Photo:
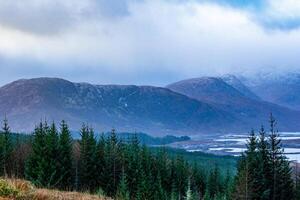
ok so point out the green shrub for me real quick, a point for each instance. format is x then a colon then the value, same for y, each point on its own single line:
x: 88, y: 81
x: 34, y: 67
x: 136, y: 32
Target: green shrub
x: 7, y: 190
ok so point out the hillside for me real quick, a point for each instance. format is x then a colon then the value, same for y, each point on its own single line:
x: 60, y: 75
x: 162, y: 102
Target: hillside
x: 188, y: 107
x: 127, y: 108
x: 236, y: 103
x: 282, y: 89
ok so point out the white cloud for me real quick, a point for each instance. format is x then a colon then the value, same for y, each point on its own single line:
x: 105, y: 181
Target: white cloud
x: 150, y: 38
x: 288, y: 9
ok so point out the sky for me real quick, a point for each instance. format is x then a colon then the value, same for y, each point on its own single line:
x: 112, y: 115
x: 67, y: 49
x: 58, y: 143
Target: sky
x: 147, y: 42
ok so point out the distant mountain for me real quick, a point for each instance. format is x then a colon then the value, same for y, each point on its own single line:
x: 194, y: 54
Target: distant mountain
x: 236, y: 103
x: 236, y: 83
x: 149, y: 109
x: 281, y: 89
x: 205, y: 105
x: 208, y: 89
x: 146, y: 139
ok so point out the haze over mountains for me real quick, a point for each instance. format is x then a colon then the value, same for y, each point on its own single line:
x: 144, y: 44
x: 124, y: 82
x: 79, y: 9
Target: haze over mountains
x: 188, y: 107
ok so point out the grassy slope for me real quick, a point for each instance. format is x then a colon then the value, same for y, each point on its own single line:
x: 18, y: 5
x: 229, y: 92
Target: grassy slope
x: 13, y: 189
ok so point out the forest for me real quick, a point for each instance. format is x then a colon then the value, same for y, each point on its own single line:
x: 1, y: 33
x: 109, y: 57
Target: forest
x: 124, y: 168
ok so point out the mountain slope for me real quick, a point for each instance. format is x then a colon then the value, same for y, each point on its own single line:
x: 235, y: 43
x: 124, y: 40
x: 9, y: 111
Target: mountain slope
x: 223, y: 96
x: 236, y: 83
x: 206, y: 105
x: 127, y: 108
x: 281, y: 89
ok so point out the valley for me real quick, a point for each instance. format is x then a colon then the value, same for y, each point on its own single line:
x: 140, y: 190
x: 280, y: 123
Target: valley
x: 235, y: 144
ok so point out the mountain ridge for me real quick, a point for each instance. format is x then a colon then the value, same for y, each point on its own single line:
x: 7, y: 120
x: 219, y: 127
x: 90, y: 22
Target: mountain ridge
x: 155, y: 110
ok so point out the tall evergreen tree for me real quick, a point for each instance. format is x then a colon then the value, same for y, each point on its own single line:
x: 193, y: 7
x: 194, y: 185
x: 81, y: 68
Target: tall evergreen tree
x: 52, y: 157
x: 65, y: 157
x: 6, y: 148
x: 100, y: 159
x: 264, y: 172
x: 36, y: 164
x: 281, y: 181
x: 264, y: 168
x: 123, y: 192
x: 275, y: 154
x: 88, y: 160
x: 214, y: 186
x: 113, y: 164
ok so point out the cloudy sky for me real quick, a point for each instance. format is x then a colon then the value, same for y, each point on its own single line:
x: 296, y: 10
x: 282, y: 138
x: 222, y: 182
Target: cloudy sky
x: 146, y: 41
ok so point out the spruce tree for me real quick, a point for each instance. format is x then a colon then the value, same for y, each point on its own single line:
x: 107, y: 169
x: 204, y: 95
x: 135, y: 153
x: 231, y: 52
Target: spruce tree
x: 36, y: 164
x: 180, y: 175
x: 190, y: 194
x: 241, y: 180
x: 198, y: 178
x: 52, y: 157
x: 281, y: 181
x: 100, y: 161
x: 65, y: 157
x: 214, y: 186
x: 123, y: 192
x: 134, y: 165
x: 2, y: 155
x: 7, y: 148
x: 275, y: 154
x: 264, y: 168
x: 113, y: 163
x: 88, y: 160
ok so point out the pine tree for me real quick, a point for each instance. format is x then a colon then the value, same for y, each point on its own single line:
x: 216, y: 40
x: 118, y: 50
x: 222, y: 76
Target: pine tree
x: 88, y: 160
x: 2, y: 155
x: 159, y: 192
x: 297, y: 183
x: 241, y: 180
x: 6, y: 148
x: 281, y: 181
x: 214, y: 183
x: 143, y: 187
x: 134, y: 165
x: 36, y: 165
x: 198, y: 179
x: 122, y: 192
x: 251, y: 166
x: 113, y: 164
x: 190, y: 194
x: 174, y: 194
x: 263, y: 171
x: 264, y: 168
x: 100, y: 159
x: 65, y: 157
x: 275, y: 153
x: 180, y: 175
x: 52, y: 157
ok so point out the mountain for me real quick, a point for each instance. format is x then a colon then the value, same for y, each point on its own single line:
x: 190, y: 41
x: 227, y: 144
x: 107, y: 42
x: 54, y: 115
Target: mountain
x: 205, y: 105
x: 282, y: 89
x: 236, y: 83
x: 154, y: 110
x: 216, y: 92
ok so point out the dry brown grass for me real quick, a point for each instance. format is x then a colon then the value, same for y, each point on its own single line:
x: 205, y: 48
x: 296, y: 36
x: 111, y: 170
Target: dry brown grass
x: 26, y: 191
x: 43, y: 194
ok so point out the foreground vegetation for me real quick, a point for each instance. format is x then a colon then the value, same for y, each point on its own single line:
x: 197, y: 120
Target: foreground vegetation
x: 16, y: 189
x: 128, y: 170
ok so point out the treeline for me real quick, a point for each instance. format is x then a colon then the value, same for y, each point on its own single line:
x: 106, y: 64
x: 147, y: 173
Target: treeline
x: 125, y: 169
x: 107, y: 166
